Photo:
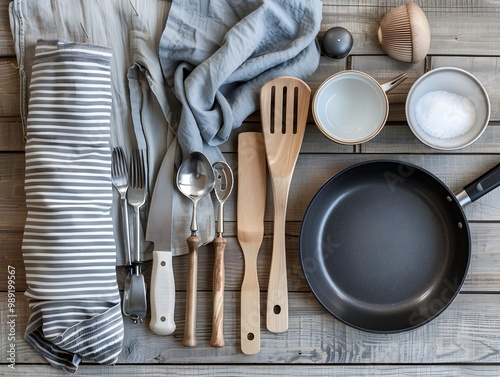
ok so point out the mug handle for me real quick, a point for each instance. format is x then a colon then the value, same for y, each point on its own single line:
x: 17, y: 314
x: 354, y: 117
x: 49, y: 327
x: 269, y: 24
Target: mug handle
x: 392, y: 83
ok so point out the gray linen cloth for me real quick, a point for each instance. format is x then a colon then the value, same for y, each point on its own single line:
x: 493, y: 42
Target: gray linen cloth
x: 132, y: 30
x: 214, y: 58
x: 216, y: 55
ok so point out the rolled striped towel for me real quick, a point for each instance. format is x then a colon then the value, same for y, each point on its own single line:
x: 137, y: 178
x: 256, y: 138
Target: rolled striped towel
x: 68, y: 244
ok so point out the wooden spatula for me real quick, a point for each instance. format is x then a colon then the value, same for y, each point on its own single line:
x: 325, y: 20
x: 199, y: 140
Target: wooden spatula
x: 284, y: 103
x: 250, y: 216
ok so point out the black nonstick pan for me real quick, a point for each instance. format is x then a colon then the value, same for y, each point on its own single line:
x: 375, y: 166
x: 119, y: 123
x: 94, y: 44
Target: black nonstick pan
x: 385, y: 245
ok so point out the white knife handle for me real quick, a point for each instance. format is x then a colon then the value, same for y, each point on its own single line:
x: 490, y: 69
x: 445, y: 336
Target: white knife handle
x: 162, y: 294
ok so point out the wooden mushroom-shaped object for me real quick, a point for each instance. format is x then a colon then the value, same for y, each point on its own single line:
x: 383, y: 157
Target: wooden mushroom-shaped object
x: 404, y: 33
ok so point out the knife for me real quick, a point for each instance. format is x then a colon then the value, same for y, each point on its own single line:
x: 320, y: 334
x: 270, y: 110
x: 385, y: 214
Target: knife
x: 159, y: 231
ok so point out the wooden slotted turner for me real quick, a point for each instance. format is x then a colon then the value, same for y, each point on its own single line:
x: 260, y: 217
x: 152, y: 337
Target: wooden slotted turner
x: 284, y: 103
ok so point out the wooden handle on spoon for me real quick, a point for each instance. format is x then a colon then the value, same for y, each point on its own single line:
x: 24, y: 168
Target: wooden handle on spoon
x: 218, y: 293
x: 192, y: 287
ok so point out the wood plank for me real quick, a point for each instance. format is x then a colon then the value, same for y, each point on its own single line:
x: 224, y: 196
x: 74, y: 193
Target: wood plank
x: 483, y: 275
x: 9, y: 88
x: 395, y: 137
x: 11, y: 135
x: 6, y: 43
x: 455, y: 170
x: 311, y: 172
x: 12, y: 200
x: 295, y: 370
x: 456, y: 26
x: 398, y: 138
x: 468, y: 331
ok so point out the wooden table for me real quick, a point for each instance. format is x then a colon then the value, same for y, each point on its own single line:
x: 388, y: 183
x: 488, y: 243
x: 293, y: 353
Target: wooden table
x: 464, y: 340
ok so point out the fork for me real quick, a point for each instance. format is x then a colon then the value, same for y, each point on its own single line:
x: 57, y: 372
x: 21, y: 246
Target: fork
x: 136, y: 196
x: 119, y: 177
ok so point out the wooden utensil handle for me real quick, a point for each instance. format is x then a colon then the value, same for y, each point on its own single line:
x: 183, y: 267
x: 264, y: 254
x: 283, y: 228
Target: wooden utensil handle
x: 251, y: 207
x: 218, y: 293
x: 250, y: 304
x: 162, y: 294
x: 277, y: 293
x: 192, y: 288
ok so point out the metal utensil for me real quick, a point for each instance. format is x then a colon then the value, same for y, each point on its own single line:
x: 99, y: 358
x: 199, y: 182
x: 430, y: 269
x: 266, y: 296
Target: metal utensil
x: 159, y: 231
x: 251, y: 206
x: 223, y: 188
x: 119, y: 177
x: 136, y: 196
x: 195, y: 179
x: 284, y: 103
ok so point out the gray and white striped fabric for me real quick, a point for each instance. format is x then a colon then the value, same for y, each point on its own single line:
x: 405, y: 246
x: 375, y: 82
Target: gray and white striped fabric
x: 68, y: 245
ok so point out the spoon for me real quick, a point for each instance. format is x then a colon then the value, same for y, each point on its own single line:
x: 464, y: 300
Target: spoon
x: 195, y: 179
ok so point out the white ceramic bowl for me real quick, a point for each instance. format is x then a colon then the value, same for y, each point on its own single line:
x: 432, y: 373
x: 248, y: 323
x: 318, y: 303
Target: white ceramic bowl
x: 350, y: 107
x: 457, y: 81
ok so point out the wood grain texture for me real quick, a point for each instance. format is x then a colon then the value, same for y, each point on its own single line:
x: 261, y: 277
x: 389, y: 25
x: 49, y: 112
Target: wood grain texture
x: 463, y: 341
x: 217, y: 340
x: 6, y: 43
x: 192, y: 292
x: 467, y: 332
x: 251, y: 207
x: 297, y: 370
x: 284, y: 107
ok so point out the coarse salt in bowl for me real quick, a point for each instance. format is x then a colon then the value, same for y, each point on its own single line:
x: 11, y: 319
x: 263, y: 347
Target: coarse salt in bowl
x: 448, y: 108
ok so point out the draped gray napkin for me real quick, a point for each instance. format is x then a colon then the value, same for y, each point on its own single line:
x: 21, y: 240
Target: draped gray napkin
x: 214, y: 58
x: 132, y: 30
x: 68, y: 244
x: 216, y: 55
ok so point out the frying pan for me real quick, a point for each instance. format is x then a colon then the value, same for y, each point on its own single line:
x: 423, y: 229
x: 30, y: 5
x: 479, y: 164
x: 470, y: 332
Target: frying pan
x: 385, y: 245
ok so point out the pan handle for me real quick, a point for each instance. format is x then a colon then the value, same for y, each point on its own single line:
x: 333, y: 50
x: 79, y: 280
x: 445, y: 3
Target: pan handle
x: 479, y: 187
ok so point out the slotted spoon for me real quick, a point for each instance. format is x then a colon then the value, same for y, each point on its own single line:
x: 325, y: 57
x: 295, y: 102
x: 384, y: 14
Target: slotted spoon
x: 284, y: 103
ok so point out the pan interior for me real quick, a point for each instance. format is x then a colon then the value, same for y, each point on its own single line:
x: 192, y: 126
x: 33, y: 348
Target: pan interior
x: 382, y: 248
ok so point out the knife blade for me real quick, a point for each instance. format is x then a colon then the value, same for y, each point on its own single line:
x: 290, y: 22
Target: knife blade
x: 159, y: 231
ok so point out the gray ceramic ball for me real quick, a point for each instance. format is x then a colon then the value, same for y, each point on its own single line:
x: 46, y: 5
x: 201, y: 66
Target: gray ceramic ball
x: 337, y: 43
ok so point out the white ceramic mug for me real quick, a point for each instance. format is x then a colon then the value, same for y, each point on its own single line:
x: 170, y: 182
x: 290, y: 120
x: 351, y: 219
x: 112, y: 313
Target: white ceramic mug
x: 351, y: 107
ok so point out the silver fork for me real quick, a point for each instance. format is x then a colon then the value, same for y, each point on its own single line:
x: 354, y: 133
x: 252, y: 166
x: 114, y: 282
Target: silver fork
x: 119, y: 177
x: 136, y: 196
